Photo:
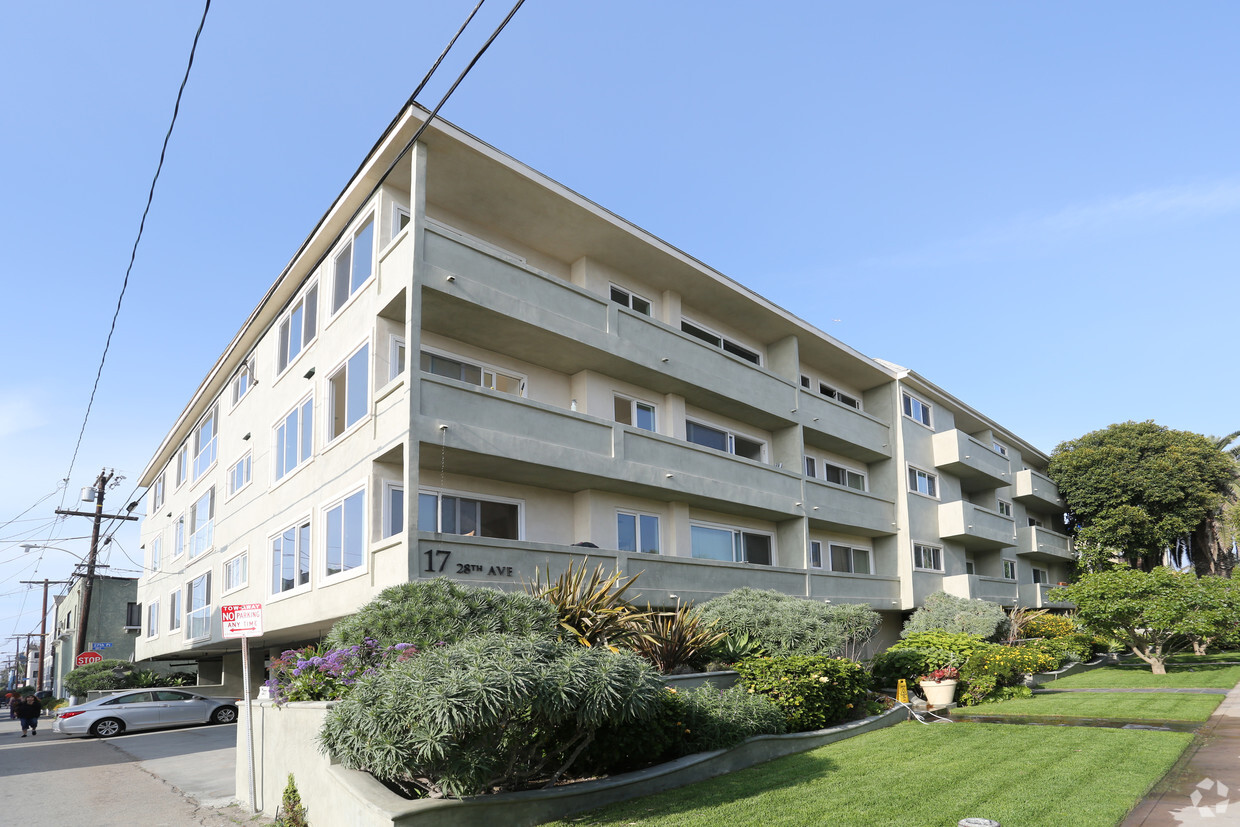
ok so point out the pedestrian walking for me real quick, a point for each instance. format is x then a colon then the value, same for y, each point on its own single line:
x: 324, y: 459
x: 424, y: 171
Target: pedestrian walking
x: 28, y: 708
x: 10, y: 700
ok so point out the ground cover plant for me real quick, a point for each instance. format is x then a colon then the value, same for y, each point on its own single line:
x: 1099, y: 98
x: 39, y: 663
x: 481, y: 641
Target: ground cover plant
x: 1111, y: 706
x: 783, y: 625
x: 1138, y: 676
x: 947, y: 613
x: 813, y: 692
x: 1012, y: 774
x: 1230, y: 656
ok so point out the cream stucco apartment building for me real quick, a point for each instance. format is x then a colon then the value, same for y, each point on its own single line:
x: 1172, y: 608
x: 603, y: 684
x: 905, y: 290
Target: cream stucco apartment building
x: 468, y: 369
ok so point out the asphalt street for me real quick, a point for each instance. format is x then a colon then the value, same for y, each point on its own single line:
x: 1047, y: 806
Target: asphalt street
x: 177, y: 778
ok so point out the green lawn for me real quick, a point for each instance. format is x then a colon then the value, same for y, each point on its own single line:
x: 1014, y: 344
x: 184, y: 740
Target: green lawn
x: 1137, y: 675
x: 1212, y: 657
x: 1123, y: 706
x: 928, y: 776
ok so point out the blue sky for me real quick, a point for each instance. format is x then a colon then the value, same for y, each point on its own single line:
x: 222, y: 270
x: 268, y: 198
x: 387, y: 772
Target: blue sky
x: 1033, y: 205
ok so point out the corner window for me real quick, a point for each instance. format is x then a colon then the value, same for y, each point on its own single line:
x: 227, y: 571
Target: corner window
x: 815, y: 554
x: 1005, y: 508
x: 236, y: 572
x: 157, y: 493
x: 481, y: 375
x: 730, y: 545
x: 205, y: 442
x: 294, y: 438
x: 637, y: 532
x: 348, y: 393
x: 850, y: 560
x: 290, y: 558
x: 243, y: 381
x: 396, y: 357
x: 152, y: 619
x: 721, y: 342
x: 722, y: 440
x: 182, y: 463
x: 631, y: 412
x: 451, y: 514
x: 239, y: 474
x: 1009, y: 569
x: 345, y: 540
x: 178, y: 536
x: 174, y: 611
x: 393, y: 509
x: 400, y: 219
x: 198, y: 607
x: 915, y: 409
x: 133, y: 616
x: 202, y: 524
x: 631, y: 300
x: 157, y: 544
x: 927, y: 558
x: 353, y: 264
x: 923, y: 482
x: 297, y: 327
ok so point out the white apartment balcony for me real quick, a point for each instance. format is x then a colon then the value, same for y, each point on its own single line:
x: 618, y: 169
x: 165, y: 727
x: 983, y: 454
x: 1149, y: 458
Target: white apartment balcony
x: 1037, y: 491
x: 833, y: 426
x: 1037, y: 596
x: 834, y: 507
x: 1041, y: 543
x: 977, y: 466
x: 976, y: 587
x: 974, y: 527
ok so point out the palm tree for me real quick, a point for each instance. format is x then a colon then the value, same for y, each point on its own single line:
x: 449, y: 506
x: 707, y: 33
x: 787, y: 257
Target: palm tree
x: 1214, y: 541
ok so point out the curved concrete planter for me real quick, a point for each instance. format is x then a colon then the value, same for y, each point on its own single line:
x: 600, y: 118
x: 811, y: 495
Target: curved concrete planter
x: 285, y: 742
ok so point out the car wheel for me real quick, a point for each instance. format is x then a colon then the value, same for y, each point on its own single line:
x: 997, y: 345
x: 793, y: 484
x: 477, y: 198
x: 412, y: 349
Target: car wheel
x: 107, y: 727
x: 224, y: 715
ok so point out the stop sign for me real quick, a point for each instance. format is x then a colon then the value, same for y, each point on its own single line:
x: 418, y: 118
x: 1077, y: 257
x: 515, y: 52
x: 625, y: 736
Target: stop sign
x: 87, y: 657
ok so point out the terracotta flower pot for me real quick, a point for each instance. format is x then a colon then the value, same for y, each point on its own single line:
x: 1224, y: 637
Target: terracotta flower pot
x: 939, y: 693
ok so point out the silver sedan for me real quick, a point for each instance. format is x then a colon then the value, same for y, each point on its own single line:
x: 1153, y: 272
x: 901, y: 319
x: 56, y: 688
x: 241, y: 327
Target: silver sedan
x: 143, y: 709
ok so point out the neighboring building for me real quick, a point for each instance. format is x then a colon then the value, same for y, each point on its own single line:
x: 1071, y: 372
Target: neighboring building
x: 468, y: 368
x: 113, y: 625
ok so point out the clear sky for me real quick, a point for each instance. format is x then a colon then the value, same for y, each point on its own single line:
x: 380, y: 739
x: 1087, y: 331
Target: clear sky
x: 1032, y: 205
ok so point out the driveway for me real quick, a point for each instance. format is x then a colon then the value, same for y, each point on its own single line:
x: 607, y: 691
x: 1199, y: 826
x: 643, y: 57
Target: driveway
x: 171, y: 777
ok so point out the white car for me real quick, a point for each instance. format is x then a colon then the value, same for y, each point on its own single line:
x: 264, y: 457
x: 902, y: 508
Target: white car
x: 143, y: 709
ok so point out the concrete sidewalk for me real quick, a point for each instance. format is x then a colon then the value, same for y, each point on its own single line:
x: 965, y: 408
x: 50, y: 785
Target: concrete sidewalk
x: 1204, y: 788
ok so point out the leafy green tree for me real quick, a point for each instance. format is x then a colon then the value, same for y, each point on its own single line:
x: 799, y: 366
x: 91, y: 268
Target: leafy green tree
x: 1134, y: 488
x: 1214, y: 541
x: 1153, y: 613
x: 1214, y: 611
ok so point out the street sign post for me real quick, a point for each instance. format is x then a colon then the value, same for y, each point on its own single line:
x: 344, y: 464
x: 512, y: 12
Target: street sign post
x: 245, y: 620
x: 87, y: 657
x: 95, y: 647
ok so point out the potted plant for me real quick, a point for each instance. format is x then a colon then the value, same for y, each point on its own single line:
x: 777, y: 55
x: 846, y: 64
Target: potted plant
x: 939, y: 686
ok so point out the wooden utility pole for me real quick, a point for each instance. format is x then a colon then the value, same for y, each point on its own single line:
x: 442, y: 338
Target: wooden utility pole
x: 43, y: 627
x: 97, y: 515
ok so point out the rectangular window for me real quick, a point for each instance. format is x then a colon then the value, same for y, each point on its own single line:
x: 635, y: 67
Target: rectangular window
x: 637, y: 532
x: 1035, y: 523
x: 843, y: 476
x: 927, y: 558
x: 178, y: 537
x: 348, y: 393
x: 133, y: 615
x: 724, y: 344
x: 346, y: 534
x: 393, y: 509
x: 1040, y: 576
x: 735, y: 545
x: 157, y: 543
x: 1001, y: 449
x: 236, y: 572
x: 297, y: 328
x: 157, y: 493
x: 198, y: 607
x: 205, y: 442
x: 1005, y: 508
x: 396, y: 357
x: 621, y: 296
x: 290, y: 558
x: 914, y: 408
x: 450, y: 514
x: 1009, y: 569
x: 969, y: 568
x: 850, y: 560
x: 480, y: 375
x: 174, y: 611
x: 202, y: 524
x: 353, y: 264
x: 152, y: 619
x: 182, y: 464
x: 295, y: 438
x: 838, y: 395
x: 815, y: 554
x: 239, y: 475
x: 811, y: 467
x: 722, y: 440
x: 400, y: 219
x: 631, y: 412
x: 243, y: 381
x: 923, y: 482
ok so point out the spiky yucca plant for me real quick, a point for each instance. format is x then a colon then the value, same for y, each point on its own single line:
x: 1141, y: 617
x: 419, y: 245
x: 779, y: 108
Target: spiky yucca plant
x: 676, y: 638
x: 592, y: 609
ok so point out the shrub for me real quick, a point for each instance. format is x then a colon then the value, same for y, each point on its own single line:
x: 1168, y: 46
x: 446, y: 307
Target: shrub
x: 492, y: 712
x: 426, y: 612
x: 959, y: 645
x: 110, y: 673
x: 888, y: 668
x: 735, y: 647
x: 785, y: 625
x: 292, y: 811
x: 319, y: 674
x: 945, y: 612
x: 594, y: 611
x: 813, y: 691
x: 1076, y: 647
x: 994, y: 667
x: 676, y: 639
x: 1049, y: 625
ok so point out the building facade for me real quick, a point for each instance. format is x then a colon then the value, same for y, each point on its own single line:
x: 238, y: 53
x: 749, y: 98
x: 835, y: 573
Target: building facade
x: 467, y: 370
x: 112, y: 627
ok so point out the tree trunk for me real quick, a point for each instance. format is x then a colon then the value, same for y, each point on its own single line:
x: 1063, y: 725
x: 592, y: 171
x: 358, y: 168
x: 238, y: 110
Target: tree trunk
x: 1158, y: 666
x: 1199, y: 647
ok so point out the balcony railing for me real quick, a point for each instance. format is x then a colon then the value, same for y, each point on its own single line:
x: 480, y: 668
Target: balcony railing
x: 1044, y: 543
x: 974, y: 527
x: 1036, y: 490
x: 977, y: 466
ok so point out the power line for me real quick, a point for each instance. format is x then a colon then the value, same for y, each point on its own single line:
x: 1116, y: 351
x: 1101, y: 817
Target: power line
x: 150, y: 196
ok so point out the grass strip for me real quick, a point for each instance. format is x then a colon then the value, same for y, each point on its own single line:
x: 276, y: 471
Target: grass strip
x: 1212, y: 657
x: 1127, y: 706
x: 1137, y: 675
x: 925, y: 775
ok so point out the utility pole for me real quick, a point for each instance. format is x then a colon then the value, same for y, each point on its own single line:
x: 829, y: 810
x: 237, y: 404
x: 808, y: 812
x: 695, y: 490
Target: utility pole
x: 43, y: 627
x: 97, y: 515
